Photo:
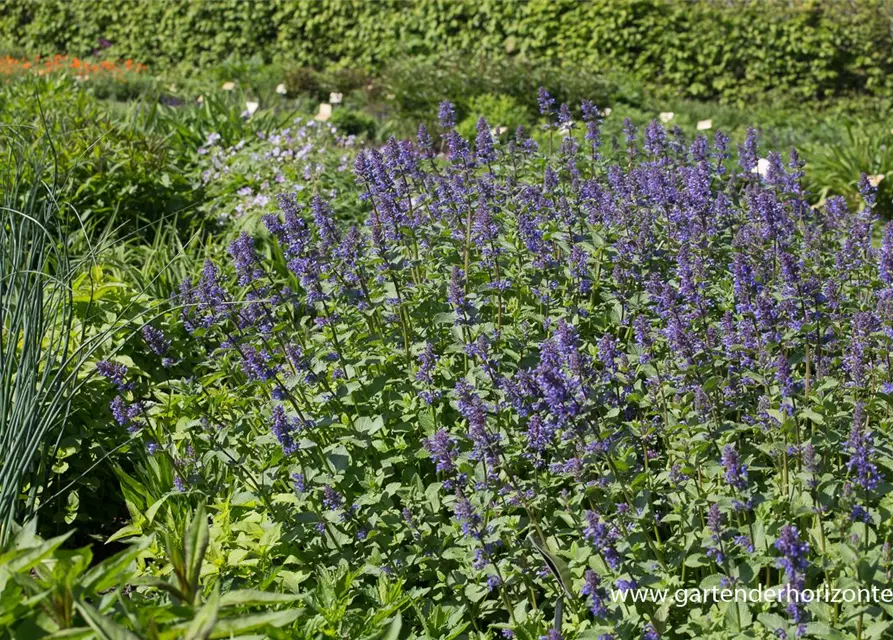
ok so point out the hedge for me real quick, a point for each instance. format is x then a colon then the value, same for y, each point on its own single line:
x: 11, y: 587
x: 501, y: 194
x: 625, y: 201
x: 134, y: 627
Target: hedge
x: 727, y: 49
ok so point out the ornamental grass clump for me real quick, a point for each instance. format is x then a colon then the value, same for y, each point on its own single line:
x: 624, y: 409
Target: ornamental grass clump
x: 533, y: 377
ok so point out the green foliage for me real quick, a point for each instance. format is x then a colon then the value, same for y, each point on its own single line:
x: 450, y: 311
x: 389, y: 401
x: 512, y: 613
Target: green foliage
x: 835, y: 167
x: 413, y: 87
x: 187, y: 555
x: 43, y: 587
x: 224, y: 544
x: 731, y: 50
x: 38, y: 360
x: 362, y: 415
x: 184, y: 127
x: 129, y: 168
x: 501, y: 111
x: 48, y: 591
x: 76, y: 175
x: 115, y: 176
x: 320, y: 83
x: 353, y: 123
x: 242, y: 178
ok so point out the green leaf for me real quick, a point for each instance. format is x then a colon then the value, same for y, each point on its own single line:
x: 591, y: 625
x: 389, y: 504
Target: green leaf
x: 203, y: 623
x: 195, y: 546
x: 338, y: 458
x: 105, y: 628
x: 21, y: 561
x: 76, y: 633
x: 812, y: 415
x: 151, y: 511
x: 696, y: 560
x: 105, y: 575
x: 877, y: 630
x: 822, y: 630
x: 772, y: 621
x: 252, y: 597
x: 393, y: 630
x: 127, y: 531
x: 557, y: 566
x: 230, y: 626
x: 369, y: 425
x: 738, y: 616
x: 476, y: 592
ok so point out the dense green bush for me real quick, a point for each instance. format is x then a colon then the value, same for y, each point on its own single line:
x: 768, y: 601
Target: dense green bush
x: 539, y: 375
x: 414, y: 86
x: 49, y: 592
x: 353, y: 123
x: 863, y: 148
x: 733, y: 50
x: 111, y: 173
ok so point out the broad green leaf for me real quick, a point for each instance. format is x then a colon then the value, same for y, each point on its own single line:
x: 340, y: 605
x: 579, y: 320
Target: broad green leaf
x: 229, y: 626
x: 17, y: 561
x: 557, y: 566
x: 393, y: 630
x: 252, y: 597
x: 76, y: 633
x: 151, y: 511
x: 106, y: 574
x: 105, y: 628
x: 203, y: 623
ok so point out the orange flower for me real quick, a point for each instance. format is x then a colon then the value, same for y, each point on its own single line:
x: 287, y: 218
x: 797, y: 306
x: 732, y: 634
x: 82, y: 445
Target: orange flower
x: 60, y: 63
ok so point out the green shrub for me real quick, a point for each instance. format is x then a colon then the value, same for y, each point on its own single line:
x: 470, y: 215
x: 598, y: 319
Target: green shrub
x: 114, y: 175
x: 48, y: 591
x: 413, y: 87
x: 503, y: 112
x: 835, y: 167
x: 353, y: 123
x: 319, y: 84
x: 734, y: 50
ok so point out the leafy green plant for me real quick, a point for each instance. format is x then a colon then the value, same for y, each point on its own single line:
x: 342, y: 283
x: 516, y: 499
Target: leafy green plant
x: 456, y: 393
x: 538, y: 377
x: 835, y: 167
x: 46, y: 591
x: 332, y: 598
x: 189, y: 125
x: 238, y: 189
x: 737, y: 50
x: 353, y: 123
x: 122, y: 180
x: 412, y: 87
x: 38, y: 358
x: 43, y: 587
x: 60, y: 310
x: 503, y: 112
x: 186, y: 555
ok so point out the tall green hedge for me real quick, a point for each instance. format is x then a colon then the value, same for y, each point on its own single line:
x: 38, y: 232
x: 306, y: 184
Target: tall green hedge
x: 728, y: 49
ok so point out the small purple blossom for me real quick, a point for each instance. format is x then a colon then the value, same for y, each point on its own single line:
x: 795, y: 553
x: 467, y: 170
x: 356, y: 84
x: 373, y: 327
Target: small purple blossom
x: 114, y: 372
x: 155, y: 339
x: 602, y: 536
x: 546, y: 102
x: 598, y: 597
x: 735, y: 472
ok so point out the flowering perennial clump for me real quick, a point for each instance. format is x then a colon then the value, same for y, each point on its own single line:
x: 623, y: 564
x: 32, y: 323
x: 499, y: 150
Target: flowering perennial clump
x: 246, y: 176
x: 666, y: 369
x: 82, y: 69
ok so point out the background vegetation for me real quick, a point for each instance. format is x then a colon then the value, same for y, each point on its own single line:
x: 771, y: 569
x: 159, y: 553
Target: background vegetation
x: 734, y: 50
x: 157, y: 147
